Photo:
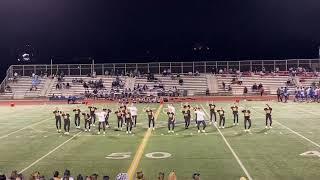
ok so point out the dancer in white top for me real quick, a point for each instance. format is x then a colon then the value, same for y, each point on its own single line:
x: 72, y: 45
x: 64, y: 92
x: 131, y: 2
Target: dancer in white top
x: 200, y: 119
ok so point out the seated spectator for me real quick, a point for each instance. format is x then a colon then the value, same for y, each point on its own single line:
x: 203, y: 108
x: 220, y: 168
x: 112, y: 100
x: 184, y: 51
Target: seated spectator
x: 8, y: 88
x: 68, y: 86
x: 196, y: 176
x: 161, y: 176
x: 140, y: 175
x: 80, y: 177
x: 122, y: 176
x: 254, y: 87
x: 13, y: 175
x: 67, y: 175
x: 56, y: 176
x: 260, y: 86
x: 172, y: 176
x: 3, y: 177
x: 180, y: 82
x: 245, y: 90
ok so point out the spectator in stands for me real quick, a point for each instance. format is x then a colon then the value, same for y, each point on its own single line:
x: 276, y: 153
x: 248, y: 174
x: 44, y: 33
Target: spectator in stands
x: 245, y: 91
x: 15, y: 76
x: 196, y: 176
x: 56, y: 176
x: 68, y: 86
x: 79, y: 177
x: 13, y: 175
x: 67, y: 175
x: 8, y: 88
x: 106, y: 178
x: 279, y: 95
x: 172, y: 176
x: 207, y: 92
x: 261, y: 91
x: 254, y: 87
x: 260, y: 86
x: 35, y: 176
x: 223, y: 85
x: 122, y: 176
x: 180, y: 82
x: 3, y: 177
x: 140, y: 175
x: 161, y: 176
x: 164, y: 73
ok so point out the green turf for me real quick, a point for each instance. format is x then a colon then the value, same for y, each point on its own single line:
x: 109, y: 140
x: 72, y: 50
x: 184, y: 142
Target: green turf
x: 265, y: 154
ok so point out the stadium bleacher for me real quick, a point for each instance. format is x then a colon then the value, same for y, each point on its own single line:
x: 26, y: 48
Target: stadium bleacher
x: 202, y: 83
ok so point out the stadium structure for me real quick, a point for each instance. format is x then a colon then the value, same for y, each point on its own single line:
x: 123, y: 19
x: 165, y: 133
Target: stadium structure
x: 198, y: 78
x: 34, y: 98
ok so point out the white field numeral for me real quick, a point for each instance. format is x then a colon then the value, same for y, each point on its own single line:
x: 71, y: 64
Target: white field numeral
x: 311, y: 153
x: 120, y: 155
x: 158, y: 155
x: 125, y: 155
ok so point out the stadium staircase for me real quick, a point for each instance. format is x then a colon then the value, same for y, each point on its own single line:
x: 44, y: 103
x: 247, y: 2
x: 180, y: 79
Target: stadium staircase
x: 212, y: 84
x: 308, y: 81
x: 21, y: 88
x: 270, y: 83
x: 194, y: 85
x: 129, y: 83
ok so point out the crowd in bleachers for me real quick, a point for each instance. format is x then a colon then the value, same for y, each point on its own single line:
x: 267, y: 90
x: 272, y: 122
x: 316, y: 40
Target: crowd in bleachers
x: 68, y: 176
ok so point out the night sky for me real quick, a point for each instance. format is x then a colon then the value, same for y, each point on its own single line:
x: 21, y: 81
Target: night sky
x: 150, y: 30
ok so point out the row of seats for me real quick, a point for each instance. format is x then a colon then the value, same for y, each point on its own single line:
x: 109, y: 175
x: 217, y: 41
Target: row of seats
x: 195, y: 85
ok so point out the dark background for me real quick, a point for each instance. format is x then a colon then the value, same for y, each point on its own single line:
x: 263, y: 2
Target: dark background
x: 150, y: 30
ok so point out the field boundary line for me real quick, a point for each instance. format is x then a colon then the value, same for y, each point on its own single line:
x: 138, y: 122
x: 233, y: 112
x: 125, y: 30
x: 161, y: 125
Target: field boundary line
x: 50, y: 152
x: 230, y: 148
x: 26, y: 127
x: 294, y: 132
x: 137, y: 157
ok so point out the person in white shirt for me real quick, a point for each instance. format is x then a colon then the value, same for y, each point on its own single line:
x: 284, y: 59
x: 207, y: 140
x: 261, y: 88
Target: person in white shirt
x: 102, y: 121
x: 200, y: 119
x: 134, y: 114
x: 171, y: 108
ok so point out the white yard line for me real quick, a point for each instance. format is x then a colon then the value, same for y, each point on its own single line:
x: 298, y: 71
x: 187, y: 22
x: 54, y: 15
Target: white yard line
x: 231, y: 149
x: 26, y: 127
x: 38, y: 160
x: 298, y: 134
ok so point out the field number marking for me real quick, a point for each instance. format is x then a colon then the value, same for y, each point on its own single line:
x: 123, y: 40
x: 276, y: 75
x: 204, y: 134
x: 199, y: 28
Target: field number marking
x: 311, y: 153
x: 120, y: 155
x: 158, y: 155
x: 126, y: 155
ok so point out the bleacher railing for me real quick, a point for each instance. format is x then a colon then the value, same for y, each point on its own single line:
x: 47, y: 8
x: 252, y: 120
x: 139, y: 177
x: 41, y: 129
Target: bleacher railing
x: 159, y: 67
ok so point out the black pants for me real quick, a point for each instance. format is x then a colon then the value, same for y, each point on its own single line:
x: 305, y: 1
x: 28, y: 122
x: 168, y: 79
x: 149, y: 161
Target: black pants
x: 93, y: 118
x: 107, y: 121
x: 268, y: 117
x: 77, y: 120
x: 151, y: 120
x: 120, y: 122
x: 134, y: 119
x: 223, y: 120
x: 247, y: 119
x: 103, y: 126
x: 66, y: 125
x: 203, y: 123
x: 213, y: 114
x: 171, y: 125
x: 187, y: 122
x: 87, y: 124
x: 279, y: 98
x: 58, y: 122
x: 235, y: 118
x: 129, y: 125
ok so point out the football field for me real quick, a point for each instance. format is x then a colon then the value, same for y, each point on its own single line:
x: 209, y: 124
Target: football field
x: 290, y: 150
